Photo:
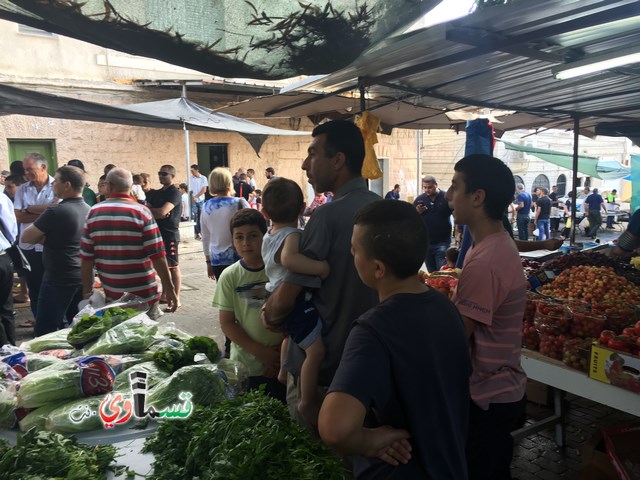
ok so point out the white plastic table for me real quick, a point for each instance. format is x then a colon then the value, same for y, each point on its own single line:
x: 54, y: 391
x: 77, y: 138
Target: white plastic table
x: 562, y: 378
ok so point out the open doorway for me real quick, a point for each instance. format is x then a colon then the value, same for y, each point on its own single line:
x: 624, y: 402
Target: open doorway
x: 212, y: 155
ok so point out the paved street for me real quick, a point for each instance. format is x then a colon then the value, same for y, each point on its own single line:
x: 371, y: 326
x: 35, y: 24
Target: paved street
x: 536, y: 457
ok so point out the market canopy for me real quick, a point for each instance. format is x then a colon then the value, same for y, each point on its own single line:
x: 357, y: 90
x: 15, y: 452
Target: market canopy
x: 591, y: 166
x: 172, y: 114
x: 261, y: 39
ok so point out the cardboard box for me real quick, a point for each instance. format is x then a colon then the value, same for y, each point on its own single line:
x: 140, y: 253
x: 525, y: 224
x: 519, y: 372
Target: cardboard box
x: 595, y: 463
x: 621, y: 444
x: 615, y: 368
x: 538, y: 393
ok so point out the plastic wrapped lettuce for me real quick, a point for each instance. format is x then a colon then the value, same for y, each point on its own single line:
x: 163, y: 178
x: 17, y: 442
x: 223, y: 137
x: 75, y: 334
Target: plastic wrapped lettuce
x: 68, y: 379
x: 205, y: 382
x: 154, y: 376
x: 79, y: 415
x: 50, y: 341
x: 8, y: 405
x: 38, y: 417
x: 90, y: 327
x: 132, y: 336
x: 22, y: 363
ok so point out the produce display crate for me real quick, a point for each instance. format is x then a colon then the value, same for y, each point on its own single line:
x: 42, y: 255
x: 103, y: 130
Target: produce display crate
x: 621, y: 445
x: 615, y: 368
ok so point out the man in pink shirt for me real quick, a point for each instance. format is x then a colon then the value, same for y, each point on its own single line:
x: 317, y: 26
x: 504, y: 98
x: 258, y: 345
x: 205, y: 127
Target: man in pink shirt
x: 491, y: 299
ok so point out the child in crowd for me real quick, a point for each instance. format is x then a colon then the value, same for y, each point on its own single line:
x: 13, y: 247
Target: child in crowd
x: 451, y: 256
x: 283, y: 203
x: 239, y: 296
x: 255, y: 199
x: 11, y: 184
x: 102, y: 189
x: 136, y: 189
x: 185, y: 213
x: 376, y: 411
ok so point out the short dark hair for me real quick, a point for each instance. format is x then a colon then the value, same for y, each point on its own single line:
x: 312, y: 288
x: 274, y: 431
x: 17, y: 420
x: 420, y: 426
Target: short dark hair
x: 16, y: 167
x: 282, y: 200
x: 195, y: 167
x: 170, y: 168
x: 397, y: 185
x: 484, y: 172
x: 16, y: 179
x: 184, y: 187
x: 248, y: 216
x: 250, y: 170
x: 452, y: 254
x: 343, y: 136
x: 73, y: 175
x: 270, y: 170
x: 395, y: 235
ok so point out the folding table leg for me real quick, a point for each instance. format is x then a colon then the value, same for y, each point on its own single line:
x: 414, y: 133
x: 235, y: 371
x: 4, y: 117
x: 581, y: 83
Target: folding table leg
x: 559, y: 410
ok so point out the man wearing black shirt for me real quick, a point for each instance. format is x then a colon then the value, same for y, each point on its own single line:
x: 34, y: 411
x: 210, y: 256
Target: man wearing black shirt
x: 543, y: 213
x: 165, y: 204
x: 555, y: 219
x: 60, y: 228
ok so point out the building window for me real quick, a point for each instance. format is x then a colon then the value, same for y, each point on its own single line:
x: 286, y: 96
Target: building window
x: 540, y: 181
x: 561, y: 184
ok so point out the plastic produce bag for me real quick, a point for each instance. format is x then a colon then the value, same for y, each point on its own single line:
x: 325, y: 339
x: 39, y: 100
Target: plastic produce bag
x: 132, y: 336
x: 76, y: 378
x: 237, y: 374
x: 38, y: 417
x: 50, y: 341
x: 154, y: 376
x: 90, y: 323
x: 23, y: 363
x: 206, y: 384
x: 8, y: 405
x: 80, y: 415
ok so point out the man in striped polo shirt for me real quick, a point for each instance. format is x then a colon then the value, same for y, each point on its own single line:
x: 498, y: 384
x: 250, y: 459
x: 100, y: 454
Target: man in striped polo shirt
x: 122, y: 240
x: 491, y: 299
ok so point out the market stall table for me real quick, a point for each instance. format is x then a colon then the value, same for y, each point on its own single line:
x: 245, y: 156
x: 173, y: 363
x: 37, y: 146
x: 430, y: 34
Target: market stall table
x: 561, y: 379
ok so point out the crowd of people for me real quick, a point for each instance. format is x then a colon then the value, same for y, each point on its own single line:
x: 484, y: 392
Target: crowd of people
x: 396, y: 376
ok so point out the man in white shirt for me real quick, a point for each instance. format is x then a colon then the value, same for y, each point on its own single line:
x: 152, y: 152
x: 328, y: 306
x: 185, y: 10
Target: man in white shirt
x: 251, y: 173
x: 33, y: 198
x: 197, y: 187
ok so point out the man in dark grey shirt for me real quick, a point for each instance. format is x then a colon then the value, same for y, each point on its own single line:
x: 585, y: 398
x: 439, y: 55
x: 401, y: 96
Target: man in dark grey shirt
x: 59, y: 228
x: 334, y: 163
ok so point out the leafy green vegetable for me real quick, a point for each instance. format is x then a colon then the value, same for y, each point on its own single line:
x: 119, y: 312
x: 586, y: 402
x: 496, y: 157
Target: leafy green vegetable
x: 45, y: 455
x: 90, y: 327
x: 180, y: 353
x: 51, y: 341
x: 250, y: 436
x: 154, y: 376
x: 130, y: 336
x: 205, y: 383
x: 59, y: 420
x: 8, y: 404
x: 37, y: 418
x: 37, y: 362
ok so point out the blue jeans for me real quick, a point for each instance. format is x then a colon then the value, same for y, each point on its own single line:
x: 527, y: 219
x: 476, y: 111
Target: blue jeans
x: 543, y: 228
x: 436, y: 256
x: 523, y: 227
x: 55, y: 304
x: 196, y: 209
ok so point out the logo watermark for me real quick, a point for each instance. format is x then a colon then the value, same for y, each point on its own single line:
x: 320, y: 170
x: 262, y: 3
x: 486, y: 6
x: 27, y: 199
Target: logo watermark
x: 118, y: 408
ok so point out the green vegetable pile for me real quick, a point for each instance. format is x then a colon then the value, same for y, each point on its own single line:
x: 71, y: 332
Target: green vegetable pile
x: 44, y: 455
x: 90, y: 327
x: 171, y: 358
x: 131, y: 336
x: 247, y: 437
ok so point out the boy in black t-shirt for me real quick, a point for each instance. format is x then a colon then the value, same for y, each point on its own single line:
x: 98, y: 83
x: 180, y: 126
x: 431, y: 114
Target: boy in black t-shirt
x: 399, y: 401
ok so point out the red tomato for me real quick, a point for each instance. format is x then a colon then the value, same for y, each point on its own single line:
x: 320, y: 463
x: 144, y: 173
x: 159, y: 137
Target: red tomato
x: 620, y: 343
x: 630, y: 331
x: 606, y: 336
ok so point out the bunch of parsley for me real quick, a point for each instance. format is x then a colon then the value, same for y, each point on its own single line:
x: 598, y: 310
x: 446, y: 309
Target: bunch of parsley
x: 42, y: 455
x: 248, y: 437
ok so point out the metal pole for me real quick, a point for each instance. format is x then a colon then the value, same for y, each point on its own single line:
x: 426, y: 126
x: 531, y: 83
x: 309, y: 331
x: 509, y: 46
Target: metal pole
x: 419, y: 162
x: 576, y: 133
x: 186, y: 148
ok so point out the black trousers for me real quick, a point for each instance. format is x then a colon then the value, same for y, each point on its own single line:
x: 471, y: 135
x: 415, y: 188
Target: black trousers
x: 34, y: 278
x: 7, y: 320
x: 489, y: 441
